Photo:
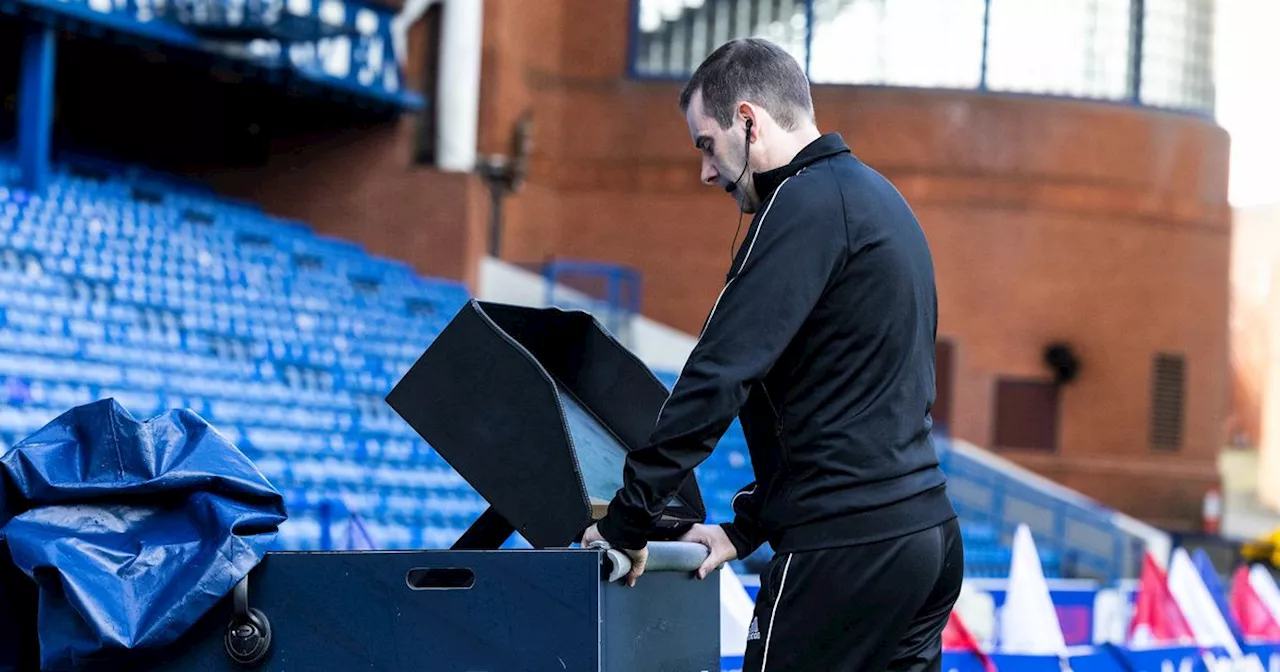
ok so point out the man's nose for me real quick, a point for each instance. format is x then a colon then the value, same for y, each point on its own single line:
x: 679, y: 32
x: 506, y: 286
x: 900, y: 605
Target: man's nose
x: 709, y: 172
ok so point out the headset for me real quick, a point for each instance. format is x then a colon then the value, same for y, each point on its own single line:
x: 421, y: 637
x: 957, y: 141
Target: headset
x: 732, y: 187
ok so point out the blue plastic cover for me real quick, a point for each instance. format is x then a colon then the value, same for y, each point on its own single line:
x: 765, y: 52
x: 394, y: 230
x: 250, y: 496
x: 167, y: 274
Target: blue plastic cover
x: 130, y: 530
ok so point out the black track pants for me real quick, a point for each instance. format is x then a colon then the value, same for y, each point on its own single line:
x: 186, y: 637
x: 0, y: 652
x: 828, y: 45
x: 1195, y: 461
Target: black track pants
x: 865, y: 608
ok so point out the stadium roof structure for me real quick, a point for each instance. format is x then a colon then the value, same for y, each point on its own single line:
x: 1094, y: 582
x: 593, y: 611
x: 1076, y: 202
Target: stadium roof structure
x: 339, y: 49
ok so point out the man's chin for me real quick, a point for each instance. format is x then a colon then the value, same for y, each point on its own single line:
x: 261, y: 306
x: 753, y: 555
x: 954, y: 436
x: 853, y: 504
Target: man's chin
x: 745, y: 205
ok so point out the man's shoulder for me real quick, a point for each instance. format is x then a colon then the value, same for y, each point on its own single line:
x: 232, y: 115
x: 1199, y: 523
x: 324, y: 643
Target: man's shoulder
x: 809, y: 201
x: 813, y: 190
x: 835, y: 180
x: 866, y: 192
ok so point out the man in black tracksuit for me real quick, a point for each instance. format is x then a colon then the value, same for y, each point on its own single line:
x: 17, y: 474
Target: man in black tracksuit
x: 822, y: 343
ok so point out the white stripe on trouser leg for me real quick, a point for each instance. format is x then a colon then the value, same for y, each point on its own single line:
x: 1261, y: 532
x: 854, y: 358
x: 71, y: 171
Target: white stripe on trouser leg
x: 773, y: 615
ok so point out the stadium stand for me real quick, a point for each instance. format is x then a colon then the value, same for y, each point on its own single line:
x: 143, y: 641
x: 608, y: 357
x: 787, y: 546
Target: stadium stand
x: 126, y: 284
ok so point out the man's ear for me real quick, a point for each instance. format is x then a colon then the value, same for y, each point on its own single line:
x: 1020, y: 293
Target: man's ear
x: 748, y: 114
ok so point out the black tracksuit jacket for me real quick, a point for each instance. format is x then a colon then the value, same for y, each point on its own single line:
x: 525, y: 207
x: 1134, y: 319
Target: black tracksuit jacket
x: 822, y: 343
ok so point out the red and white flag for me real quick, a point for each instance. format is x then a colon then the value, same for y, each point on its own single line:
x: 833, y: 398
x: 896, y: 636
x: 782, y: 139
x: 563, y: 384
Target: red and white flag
x: 1251, y: 612
x: 956, y: 637
x: 1157, y: 619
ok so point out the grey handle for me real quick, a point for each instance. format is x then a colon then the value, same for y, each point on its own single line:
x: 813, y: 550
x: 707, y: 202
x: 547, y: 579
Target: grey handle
x: 664, y: 556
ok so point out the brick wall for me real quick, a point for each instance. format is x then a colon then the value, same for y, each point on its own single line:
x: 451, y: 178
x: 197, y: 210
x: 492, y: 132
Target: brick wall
x: 1100, y: 225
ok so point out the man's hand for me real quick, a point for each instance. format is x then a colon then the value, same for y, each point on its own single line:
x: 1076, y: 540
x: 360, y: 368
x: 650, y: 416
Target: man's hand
x: 717, y: 542
x: 638, y: 558
x: 591, y: 535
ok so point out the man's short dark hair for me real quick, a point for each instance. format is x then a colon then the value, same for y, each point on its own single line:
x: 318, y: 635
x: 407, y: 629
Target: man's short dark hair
x: 755, y: 70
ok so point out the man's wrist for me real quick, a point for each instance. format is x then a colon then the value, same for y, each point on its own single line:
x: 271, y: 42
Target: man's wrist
x: 619, y: 536
x: 743, y: 544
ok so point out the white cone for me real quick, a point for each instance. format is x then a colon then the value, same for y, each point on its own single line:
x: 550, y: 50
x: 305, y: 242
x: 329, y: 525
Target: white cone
x: 736, y: 612
x: 1198, y: 605
x: 1028, y: 622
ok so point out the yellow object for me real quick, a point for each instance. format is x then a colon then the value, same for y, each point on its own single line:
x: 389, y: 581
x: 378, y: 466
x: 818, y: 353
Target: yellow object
x: 1263, y: 549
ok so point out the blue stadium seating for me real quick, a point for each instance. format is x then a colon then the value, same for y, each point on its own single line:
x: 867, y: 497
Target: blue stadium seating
x: 163, y: 295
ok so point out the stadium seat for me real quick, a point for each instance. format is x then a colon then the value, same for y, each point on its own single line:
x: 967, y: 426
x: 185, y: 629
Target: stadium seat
x: 163, y: 296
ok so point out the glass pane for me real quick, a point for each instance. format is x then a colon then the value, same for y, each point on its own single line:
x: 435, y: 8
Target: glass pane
x: 674, y: 36
x: 1176, y: 54
x: 601, y: 455
x: 898, y: 42
x: 1060, y: 47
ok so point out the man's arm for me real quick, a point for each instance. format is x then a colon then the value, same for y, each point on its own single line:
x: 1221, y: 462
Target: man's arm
x: 787, y: 264
x: 745, y: 532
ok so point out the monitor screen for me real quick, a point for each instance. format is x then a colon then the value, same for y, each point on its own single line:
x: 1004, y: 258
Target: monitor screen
x: 601, y: 455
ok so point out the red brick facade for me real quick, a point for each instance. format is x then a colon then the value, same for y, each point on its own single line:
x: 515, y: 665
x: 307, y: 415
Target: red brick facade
x: 1101, y: 226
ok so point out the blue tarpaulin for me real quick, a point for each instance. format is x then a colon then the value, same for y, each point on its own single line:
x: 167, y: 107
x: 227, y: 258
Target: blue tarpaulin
x: 131, y: 530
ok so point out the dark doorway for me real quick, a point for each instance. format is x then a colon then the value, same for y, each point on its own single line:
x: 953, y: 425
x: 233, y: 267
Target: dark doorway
x: 1026, y: 415
x: 944, y: 376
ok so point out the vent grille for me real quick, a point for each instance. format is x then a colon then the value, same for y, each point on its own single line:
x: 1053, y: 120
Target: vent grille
x: 1168, y: 390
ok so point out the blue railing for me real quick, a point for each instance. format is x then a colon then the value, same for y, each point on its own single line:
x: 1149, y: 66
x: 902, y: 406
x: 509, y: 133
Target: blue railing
x: 1145, y: 52
x: 328, y: 512
x: 609, y: 291
x: 343, y: 47
x: 1083, y: 535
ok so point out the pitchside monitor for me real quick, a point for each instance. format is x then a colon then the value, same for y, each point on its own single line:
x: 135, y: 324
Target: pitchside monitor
x: 601, y: 455
x: 537, y: 408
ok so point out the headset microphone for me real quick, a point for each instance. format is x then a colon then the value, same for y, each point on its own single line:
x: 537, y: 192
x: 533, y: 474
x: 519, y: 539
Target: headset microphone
x: 734, y: 187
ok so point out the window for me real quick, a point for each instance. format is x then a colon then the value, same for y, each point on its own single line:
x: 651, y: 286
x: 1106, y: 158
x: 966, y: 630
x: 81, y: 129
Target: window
x: 1153, y: 52
x: 944, y: 366
x: 424, y: 150
x: 1026, y: 415
x: 1168, y: 382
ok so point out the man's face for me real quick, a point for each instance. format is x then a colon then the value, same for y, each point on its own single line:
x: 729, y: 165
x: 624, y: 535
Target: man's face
x: 724, y: 153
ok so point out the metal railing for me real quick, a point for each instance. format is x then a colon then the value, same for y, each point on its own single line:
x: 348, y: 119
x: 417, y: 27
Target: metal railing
x: 343, y: 47
x: 329, y: 512
x: 1089, y: 539
x: 1145, y: 52
x: 609, y: 292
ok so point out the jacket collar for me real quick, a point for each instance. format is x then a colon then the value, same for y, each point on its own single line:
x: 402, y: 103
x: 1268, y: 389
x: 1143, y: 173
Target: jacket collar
x: 826, y: 146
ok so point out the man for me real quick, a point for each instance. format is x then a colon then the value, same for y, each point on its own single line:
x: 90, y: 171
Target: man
x: 822, y: 342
